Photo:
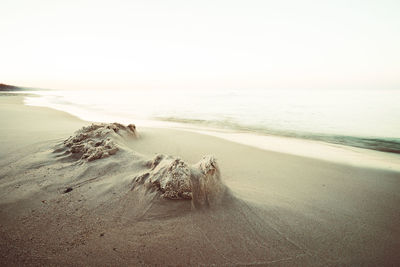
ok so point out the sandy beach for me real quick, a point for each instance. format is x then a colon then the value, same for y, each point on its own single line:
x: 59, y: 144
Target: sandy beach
x: 63, y: 201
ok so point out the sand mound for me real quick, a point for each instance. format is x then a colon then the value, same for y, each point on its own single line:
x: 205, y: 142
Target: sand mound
x: 175, y: 179
x: 207, y: 187
x: 95, y: 141
x: 170, y: 177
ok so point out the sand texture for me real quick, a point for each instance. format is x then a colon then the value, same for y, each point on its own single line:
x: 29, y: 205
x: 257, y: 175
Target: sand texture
x: 97, y: 194
x: 96, y: 141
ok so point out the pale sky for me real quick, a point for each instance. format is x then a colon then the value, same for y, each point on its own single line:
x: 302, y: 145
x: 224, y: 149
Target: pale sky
x: 200, y: 44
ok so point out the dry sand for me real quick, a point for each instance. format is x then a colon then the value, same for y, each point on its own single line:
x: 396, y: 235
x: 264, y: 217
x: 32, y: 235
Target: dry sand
x: 114, y: 195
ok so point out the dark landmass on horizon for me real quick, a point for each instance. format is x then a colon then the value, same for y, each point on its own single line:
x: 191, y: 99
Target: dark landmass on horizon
x: 7, y: 87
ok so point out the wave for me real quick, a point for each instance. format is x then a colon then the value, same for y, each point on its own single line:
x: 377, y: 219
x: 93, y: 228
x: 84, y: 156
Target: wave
x: 246, y: 112
x: 391, y: 145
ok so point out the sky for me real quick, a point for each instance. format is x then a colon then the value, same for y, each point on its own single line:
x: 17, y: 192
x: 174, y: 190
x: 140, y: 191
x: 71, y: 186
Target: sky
x: 288, y: 44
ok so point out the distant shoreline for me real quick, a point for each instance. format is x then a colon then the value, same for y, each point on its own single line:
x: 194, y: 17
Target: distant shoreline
x: 11, y: 88
x: 7, y: 87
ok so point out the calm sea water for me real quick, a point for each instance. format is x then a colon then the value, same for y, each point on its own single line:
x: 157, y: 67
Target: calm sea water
x: 369, y: 119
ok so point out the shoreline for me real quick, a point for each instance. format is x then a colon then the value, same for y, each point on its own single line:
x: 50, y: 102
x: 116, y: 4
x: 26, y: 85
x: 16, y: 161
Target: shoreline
x: 316, y: 149
x: 371, y: 137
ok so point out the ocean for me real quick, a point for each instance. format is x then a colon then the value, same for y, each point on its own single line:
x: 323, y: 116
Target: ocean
x: 361, y: 118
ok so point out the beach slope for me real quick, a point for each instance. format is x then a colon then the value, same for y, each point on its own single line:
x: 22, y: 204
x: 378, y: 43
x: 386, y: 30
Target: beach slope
x: 76, y: 193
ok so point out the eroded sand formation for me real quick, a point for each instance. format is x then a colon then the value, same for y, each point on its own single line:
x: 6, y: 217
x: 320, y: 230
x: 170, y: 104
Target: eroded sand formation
x: 175, y: 179
x: 95, y: 141
x: 171, y: 176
